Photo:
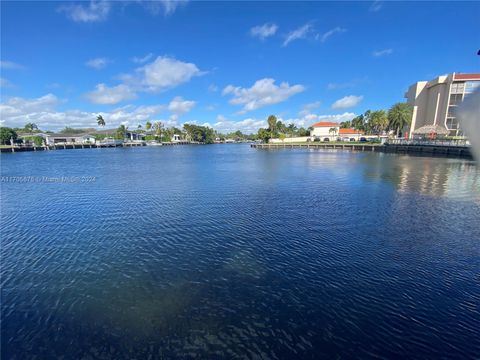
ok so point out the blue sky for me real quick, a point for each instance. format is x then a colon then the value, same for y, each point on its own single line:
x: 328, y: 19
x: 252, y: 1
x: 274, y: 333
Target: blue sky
x: 225, y: 64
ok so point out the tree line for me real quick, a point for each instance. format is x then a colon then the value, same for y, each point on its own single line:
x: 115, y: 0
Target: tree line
x: 371, y: 122
x: 277, y: 129
x: 378, y: 122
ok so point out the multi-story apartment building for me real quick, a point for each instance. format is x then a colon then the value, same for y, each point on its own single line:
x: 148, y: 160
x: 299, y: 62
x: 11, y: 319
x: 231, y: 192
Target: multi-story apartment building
x: 435, y: 101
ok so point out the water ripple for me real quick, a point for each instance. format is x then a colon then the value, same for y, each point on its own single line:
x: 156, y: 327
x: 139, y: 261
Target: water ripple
x: 230, y: 252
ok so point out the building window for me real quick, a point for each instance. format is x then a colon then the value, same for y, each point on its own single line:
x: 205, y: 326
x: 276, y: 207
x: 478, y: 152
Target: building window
x: 457, y: 88
x: 451, y: 113
x: 455, y: 99
x: 470, y: 86
x: 452, y: 124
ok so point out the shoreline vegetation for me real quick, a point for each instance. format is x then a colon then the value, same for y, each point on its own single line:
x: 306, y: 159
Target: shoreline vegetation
x: 372, y: 127
x: 370, y: 123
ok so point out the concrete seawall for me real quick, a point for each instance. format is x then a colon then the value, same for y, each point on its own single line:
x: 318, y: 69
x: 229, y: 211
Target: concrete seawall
x: 425, y: 150
x: 64, y: 147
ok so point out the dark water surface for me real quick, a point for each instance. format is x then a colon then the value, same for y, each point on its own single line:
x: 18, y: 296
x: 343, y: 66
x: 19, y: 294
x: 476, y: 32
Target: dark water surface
x: 224, y: 251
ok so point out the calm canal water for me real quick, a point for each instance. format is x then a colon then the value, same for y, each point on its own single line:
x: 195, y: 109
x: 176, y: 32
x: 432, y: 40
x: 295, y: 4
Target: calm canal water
x: 224, y: 251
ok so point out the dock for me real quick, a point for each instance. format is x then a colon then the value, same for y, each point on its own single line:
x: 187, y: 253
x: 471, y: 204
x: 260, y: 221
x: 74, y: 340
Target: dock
x: 13, y: 149
x: 22, y: 148
x: 458, y: 151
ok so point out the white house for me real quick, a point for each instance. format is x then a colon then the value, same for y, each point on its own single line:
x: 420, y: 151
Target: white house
x: 324, y: 130
x: 54, y: 139
x: 176, y: 138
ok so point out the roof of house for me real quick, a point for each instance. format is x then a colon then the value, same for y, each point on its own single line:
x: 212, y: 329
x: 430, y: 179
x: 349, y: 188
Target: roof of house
x: 25, y: 134
x: 349, y: 131
x: 113, y: 131
x: 61, y: 135
x: 466, y: 76
x: 431, y: 129
x: 325, y: 124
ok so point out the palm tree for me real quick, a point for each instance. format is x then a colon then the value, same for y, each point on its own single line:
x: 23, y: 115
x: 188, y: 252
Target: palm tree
x: 272, y: 123
x: 30, y: 127
x: 399, y: 116
x: 121, y: 132
x: 333, y: 130
x: 100, y: 120
x: 378, y: 121
x: 291, y: 129
x: 148, y: 125
x: 158, y: 126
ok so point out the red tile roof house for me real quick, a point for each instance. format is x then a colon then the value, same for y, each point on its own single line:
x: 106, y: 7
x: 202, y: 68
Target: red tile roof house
x: 325, y: 130
x: 332, y: 131
x: 347, y: 134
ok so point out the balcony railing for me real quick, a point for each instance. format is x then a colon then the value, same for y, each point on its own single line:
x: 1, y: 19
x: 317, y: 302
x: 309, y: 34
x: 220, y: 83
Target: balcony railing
x: 427, y: 142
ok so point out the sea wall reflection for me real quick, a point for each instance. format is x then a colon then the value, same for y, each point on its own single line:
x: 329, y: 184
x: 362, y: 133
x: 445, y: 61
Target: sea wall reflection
x: 453, y: 178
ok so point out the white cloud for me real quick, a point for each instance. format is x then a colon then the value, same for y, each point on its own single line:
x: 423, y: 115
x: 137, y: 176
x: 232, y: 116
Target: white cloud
x: 133, y: 115
x: 264, y: 92
x: 309, y: 119
x: 384, y: 52
x: 251, y: 125
x: 168, y: 7
x: 264, y: 31
x: 98, y: 63
x: 307, y: 108
x: 110, y: 95
x: 376, y: 6
x: 10, y: 65
x: 18, y: 106
x: 163, y: 73
x: 93, y: 12
x: 179, y: 106
x: 142, y: 60
x: 347, y: 102
x: 246, y: 126
x: 328, y: 34
x: 16, y: 112
x: 299, y: 33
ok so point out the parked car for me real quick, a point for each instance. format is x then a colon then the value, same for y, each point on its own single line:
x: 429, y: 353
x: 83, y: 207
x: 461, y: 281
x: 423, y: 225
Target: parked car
x: 362, y: 139
x: 316, y: 138
x: 326, y: 139
x: 352, y: 139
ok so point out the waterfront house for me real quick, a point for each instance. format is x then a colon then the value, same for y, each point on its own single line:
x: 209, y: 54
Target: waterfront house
x: 348, y: 134
x: 176, y: 138
x: 63, y: 139
x: 60, y: 139
x: 27, y: 138
x: 130, y: 135
x: 325, y: 130
x: 134, y: 136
